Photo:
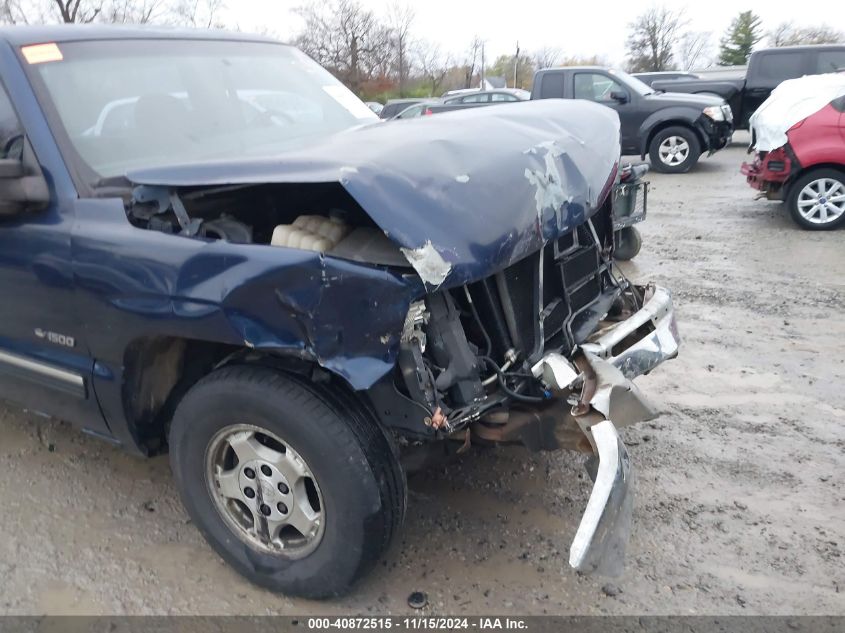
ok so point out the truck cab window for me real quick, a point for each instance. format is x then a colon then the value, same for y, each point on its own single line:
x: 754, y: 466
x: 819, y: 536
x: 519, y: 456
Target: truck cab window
x: 595, y: 87
x: 780, y: 66
x: 551, y: 86
x: 830, y: 61
x: 11, y: 132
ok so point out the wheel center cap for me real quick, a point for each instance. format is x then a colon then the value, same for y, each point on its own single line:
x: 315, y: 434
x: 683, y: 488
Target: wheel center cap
x: 822, y: 200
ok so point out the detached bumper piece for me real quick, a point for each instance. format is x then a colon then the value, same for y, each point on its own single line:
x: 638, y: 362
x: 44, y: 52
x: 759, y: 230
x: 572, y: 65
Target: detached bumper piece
x: 630, y: 349
x: 599, y: 543
x: 644, y: 340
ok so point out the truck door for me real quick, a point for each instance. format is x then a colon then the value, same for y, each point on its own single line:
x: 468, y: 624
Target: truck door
x: 44, y: 363
x: 603, y: 88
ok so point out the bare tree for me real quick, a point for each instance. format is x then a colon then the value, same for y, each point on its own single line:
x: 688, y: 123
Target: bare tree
x: 433, y: 65
x: 582, y: 60
x: 694, y: 49
x: 198, y: 13
x: 347, y: 39
x: 13, y: 12
x: 787, y: 34
x: 400, y: 19
x: 547, y: 57
x: 652, y: 36
x: 77, y: 11
x: 133, y: 11
x: 473, y: 53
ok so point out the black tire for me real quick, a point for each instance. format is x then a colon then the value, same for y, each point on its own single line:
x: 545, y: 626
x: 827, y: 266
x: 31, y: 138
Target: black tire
x: 353, y: 462
x: 692, y: 154
x: 627, y: 244
x: 795, y: 189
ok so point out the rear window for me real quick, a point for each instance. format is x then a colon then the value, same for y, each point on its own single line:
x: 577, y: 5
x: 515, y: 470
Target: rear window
x: 551, y: 86
x: 780, y: 66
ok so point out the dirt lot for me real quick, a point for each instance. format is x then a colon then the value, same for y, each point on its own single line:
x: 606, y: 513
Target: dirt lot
x: 740, y: 503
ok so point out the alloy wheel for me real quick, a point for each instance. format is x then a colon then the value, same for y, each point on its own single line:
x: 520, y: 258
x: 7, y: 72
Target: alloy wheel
x: 265, y: 491
x: 822, y: 201
x: 674, y: 150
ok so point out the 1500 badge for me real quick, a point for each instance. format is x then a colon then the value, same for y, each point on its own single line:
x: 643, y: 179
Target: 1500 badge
x: 55, y: 337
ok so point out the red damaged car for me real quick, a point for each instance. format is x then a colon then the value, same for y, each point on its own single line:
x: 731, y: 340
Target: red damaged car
x: 799, y: 138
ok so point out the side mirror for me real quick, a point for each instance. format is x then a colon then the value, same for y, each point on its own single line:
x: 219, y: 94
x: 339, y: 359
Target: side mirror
x: 620, y: 96
x: 22, y: 185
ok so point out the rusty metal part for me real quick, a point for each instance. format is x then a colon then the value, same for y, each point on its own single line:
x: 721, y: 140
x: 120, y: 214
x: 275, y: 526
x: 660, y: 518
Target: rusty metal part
x: 467, y: 442
x: 439, y: 419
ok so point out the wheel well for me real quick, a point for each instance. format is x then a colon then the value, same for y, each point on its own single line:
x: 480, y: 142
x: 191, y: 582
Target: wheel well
x: 787, y: 186
x: 662, y: 126
x: 158, y: 371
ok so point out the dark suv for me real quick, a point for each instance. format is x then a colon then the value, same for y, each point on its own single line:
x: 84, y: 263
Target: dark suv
x: 673, y: 129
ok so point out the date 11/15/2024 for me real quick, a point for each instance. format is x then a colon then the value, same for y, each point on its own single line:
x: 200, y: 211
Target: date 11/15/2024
x: 400, y: 623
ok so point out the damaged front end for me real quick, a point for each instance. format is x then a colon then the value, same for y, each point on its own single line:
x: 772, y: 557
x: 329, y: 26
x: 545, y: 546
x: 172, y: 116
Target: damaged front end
x: 457, y: 271
x: 544, y: 354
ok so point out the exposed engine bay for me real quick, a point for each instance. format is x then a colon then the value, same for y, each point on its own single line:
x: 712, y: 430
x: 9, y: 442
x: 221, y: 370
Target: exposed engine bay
x: 254, y: 215
x: 463, y: 352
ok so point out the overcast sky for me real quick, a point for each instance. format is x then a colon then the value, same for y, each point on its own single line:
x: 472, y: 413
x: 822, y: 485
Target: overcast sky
x: 579, y: 27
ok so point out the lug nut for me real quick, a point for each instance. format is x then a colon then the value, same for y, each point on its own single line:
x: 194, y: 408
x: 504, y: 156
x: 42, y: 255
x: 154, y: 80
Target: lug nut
x: 281, y: 507
x: 266, y: 470
x: 265, y: 509
x: 249, y: 492
x: 249, y: 473
x: 283, y: 488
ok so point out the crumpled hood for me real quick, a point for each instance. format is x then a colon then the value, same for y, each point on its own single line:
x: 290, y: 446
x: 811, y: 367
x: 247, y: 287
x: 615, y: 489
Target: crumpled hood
x: 464, y: 193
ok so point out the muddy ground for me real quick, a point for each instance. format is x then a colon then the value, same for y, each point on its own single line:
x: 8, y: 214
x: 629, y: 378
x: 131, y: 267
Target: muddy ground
x: 740, y: 505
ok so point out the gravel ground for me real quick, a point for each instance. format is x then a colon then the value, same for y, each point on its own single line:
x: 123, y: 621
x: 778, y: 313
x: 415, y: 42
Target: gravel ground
x: 739, y: 506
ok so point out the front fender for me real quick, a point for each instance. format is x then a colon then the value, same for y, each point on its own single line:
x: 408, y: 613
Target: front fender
x: 675, y: 115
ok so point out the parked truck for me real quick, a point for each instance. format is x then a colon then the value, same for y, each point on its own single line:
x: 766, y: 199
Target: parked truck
x: 210, y: 247
x: 673, y: 129
x: 767, y: 68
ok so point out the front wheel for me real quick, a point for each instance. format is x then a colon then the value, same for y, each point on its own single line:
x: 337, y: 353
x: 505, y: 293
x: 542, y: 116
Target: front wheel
x: 296, y: 487
x: 674, y: 150
x: 816, y: 200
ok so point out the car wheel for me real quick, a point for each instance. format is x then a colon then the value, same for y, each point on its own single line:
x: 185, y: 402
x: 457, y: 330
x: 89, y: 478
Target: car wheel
x: 816, y: 200
x: 674, y: 150
x: 627, y: 243
x: 295, y: 486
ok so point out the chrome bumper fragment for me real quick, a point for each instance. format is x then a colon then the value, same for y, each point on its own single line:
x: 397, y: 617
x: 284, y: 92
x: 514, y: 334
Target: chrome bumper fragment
x: 629, y: 349
x: 659, y: 341
x: 599, y: 543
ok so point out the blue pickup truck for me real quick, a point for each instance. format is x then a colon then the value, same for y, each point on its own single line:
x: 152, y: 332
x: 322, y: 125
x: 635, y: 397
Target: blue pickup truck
x: 210, y: 247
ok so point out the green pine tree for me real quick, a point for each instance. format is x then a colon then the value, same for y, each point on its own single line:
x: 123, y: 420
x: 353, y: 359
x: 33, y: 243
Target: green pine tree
x: 739, y: 40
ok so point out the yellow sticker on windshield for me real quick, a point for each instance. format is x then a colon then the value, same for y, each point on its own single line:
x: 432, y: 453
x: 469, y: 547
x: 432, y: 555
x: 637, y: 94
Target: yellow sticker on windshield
x: 40, y: 53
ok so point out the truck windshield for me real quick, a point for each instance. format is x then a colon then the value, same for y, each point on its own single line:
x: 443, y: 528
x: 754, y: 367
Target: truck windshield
x: 633, y: 83
x: 133, y: 104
